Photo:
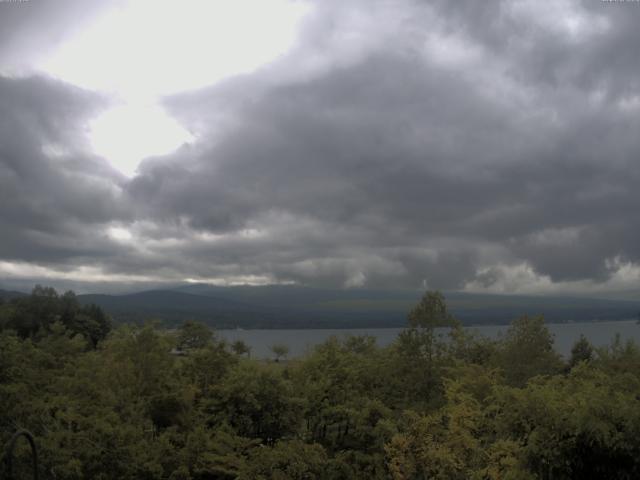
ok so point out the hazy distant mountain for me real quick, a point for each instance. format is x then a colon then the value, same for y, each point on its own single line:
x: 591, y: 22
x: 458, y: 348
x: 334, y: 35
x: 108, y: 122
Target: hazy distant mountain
x: 287, y: 306
x: 172, y: 307
x: 9, y: 294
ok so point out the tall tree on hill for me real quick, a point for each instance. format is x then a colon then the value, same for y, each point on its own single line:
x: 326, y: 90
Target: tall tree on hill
x: 240, y: 347
x: 431, y: 312
x: 419, y: 348
x: 582, y: 351
x: 280, y: 350
x: 36, y: 314
x: 193, y: 335
x: 527, y: 351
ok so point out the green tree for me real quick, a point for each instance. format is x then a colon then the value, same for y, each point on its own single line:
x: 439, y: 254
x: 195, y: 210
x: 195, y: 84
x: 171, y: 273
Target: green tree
x: 193, y: 335
x: 280, y: 350
x: 240, y: 347
x: 33, y: 316
x: 527, y: 350
x: 583, y: 425
x: 286, y: 460
x: 91, y: 322
x: 35, y: 313
x: 419, y: 353
x: 256, y: 401
x: 207, y: 366
x: 430, y: 312
x: 582, y: 351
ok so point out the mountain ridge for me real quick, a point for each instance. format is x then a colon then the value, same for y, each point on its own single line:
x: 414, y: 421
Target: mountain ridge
x: 294, y: 306
x: 306, y: 307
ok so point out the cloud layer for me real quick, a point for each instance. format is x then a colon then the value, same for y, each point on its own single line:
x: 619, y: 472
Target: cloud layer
x: 460, y: 145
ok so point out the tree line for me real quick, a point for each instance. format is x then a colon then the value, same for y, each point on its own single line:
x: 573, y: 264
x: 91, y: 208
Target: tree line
x: 141, y: 402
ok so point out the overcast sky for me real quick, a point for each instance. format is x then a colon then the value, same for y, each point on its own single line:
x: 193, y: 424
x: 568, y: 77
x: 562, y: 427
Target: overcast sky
x: 459, y: 145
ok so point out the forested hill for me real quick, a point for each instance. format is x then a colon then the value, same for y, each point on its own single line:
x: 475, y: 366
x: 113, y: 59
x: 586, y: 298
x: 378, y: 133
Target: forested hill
x: 286, y: 306
x: 10, y: 294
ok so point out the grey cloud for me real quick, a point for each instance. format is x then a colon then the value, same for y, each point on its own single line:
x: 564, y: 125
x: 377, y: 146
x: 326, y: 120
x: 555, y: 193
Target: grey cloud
x: 33, y: 28
x: 400, y: 147
x: 50, y: 200
x: 385, y: 166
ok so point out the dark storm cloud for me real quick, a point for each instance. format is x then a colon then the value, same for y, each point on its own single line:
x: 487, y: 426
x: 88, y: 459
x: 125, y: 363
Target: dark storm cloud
x: 52, y: 192
x: 413, y: 154
x: 398, y: 143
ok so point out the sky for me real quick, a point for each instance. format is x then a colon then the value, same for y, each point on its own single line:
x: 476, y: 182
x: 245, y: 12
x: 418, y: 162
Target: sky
x: 486, y: 146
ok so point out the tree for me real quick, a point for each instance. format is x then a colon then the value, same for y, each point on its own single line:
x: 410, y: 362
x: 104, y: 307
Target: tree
x: 527, y: 350
x: 256, y: 401
x: 286, y: 460
x: 7, y: 313
x: 193, y: 335
x: 69, y: 307
x: 582, y: 425
x: 36, y: 312
x: 207, y: 366
x: 582, y: 351
x: 280, y: 350
x: 91, y: 322
x: 35, y: 315
x: 420, y: 350
x: 240, y: 347
x: 430, y: 312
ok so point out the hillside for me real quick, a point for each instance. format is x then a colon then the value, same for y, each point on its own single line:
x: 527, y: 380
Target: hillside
x: 303, y: 307
x: 9, y: 294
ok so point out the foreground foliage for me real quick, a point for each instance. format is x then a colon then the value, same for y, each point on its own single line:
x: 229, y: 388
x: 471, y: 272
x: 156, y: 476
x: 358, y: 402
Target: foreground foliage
x: 439, y: 403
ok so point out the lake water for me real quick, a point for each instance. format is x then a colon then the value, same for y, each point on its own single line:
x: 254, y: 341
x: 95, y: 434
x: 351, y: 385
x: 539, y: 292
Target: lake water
x: 301, y: 342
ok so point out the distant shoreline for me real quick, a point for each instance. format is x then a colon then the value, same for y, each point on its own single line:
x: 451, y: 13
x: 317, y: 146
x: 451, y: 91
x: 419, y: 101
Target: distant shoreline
x: 302, y: 341
x: 470, y: 325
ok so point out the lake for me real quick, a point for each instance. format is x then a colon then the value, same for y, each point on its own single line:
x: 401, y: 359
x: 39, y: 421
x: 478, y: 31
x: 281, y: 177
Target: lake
x: 301, y: 342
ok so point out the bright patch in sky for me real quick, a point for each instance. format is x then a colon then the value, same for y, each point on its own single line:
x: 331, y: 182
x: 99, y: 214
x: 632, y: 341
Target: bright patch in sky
x: 151, y: 48
x: 128, y: 133
x: 120, y: 234
x: 159, y: 47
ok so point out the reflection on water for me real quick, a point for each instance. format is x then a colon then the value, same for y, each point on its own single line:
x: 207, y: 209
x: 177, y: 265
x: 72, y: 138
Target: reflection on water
x: 301, y: 342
